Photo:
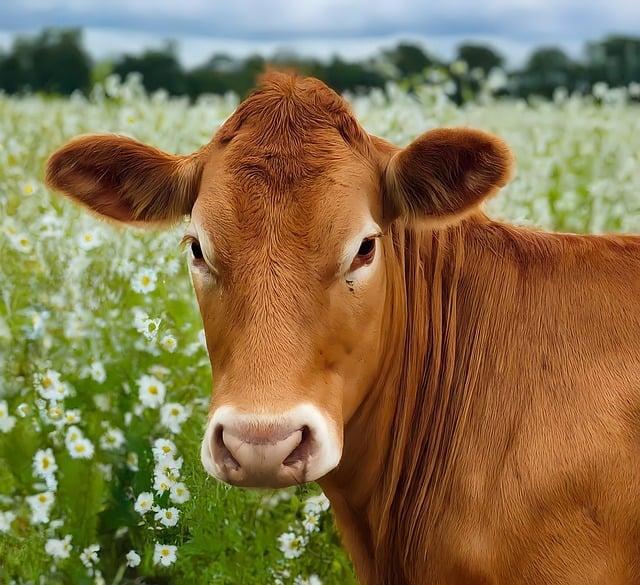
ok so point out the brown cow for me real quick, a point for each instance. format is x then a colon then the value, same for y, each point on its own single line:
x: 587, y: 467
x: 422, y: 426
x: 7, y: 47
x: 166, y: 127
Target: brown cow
x: 466, y: 392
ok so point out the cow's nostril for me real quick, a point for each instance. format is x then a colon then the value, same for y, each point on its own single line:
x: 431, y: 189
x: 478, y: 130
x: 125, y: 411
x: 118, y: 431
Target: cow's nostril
x: 301, y: 453
x: 221, y: 452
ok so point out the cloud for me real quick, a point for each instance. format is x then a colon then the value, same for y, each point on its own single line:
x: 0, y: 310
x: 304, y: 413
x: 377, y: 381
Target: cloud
x: 269, y: 20
x: 324, y: 26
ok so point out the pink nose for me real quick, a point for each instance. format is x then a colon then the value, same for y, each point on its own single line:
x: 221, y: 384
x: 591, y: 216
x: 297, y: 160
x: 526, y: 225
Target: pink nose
x: 260, y: 456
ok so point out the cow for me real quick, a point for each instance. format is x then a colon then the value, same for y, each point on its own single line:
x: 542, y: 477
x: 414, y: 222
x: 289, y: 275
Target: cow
x: 466, y: 392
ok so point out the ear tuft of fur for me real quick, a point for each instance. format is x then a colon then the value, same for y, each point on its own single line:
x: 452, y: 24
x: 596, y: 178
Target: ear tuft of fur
x: 446, y: 173
x: 124, y: 180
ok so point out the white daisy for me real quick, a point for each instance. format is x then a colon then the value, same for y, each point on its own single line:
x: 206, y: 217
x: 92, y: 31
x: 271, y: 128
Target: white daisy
x: 151, y: 391
x: 7, y: 422
x: 112, y: 440
x: 169, y: 343
x: 144, y: 503
x: 59, y: 548
x: 81, y: 449
x: 89, y: 239
x: 44, y: 463
x: 97, y: 372
x: 71, y: 416
x: 164, y: 554
x: 179, y: 493
x: 50, y: 387
x: 172, y: 415
x: 163, y: 448
x: 89, y: 556
x: 133, y: 558
x: 145, y: 281
x: 167, y: 516
x: 40, y: 505
x: 291, y: 545
x: 6, y: 518
x: 162, y: 483
x: 132, y: 461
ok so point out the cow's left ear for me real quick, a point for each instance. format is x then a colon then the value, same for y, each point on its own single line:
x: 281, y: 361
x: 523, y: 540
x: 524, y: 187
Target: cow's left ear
x: 445, y: 174
x: 125, y: 180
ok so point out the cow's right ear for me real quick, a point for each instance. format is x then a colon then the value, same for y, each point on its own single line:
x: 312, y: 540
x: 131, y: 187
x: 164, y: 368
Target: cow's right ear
x: 445, y: 174
x: 125, y: 180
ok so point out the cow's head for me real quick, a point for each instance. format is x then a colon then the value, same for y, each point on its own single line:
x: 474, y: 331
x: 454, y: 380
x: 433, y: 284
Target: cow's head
x: 290, y: 208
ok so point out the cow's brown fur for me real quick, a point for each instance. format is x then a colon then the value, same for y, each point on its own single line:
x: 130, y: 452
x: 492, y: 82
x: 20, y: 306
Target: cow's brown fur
x: 488, y: 377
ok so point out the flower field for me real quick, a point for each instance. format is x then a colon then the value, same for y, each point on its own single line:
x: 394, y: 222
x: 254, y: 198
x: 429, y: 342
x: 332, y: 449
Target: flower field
x: 104, y: 378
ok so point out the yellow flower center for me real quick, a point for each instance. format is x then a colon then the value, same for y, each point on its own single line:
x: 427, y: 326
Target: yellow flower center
x: 42, y: 498
x: 80, y: 448
x: 145, y: 280
x: 45, y: 463
x: 46, y: 382
x: 153, y: 390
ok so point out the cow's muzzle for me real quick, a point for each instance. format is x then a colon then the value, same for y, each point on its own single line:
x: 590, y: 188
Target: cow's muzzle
x: 268, y: 450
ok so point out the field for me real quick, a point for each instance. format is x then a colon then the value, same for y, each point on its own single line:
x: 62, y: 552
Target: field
x: 104, y: 378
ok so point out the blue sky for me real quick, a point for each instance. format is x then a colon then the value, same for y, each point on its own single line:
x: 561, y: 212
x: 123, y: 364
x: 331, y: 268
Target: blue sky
x: 323, y: 27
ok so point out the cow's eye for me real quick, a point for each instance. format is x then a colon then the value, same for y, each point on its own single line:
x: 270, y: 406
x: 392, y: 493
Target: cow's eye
x: 365, y: 254
x: 196, y: 250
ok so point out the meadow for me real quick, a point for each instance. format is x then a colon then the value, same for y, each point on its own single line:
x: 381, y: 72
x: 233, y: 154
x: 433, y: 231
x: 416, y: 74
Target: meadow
x: 104, y: 377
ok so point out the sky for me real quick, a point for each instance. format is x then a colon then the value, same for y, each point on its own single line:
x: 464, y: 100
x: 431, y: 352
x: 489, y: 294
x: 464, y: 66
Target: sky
x: 352, y: 29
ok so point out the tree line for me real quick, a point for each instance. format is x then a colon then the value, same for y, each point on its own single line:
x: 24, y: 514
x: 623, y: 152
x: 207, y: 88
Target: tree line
x: 55, y: 61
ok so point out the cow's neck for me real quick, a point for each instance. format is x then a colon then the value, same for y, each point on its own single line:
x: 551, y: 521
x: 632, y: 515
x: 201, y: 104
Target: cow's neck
x: 401, y: 445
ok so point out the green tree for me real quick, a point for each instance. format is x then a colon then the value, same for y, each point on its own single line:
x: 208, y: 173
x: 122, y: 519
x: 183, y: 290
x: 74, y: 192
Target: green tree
x: 479, y: 57
x: 409, y: 59
x: 160, y: 69
x: 54, y: 61
x: 616, y: 60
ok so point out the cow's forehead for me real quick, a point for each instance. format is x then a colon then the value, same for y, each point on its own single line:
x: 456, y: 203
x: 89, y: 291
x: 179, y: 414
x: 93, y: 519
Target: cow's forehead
x: 247, y: 201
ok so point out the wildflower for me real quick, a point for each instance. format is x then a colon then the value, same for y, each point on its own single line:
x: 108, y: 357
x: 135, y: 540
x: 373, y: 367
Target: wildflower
x: 167, y: 516
x: 89, y: 556
x: 172, y: 415
x: 22, y: 243
x: 7, y: 422
x: 162, y: 483
x: 311, y: 522
x: 89, y: 239
x: 59, y: 548
x: 71, y: 416
x: 44, y: 463
x: 145, y: 281
x: 163, y: 448
x: 316, y: 504
x: 28, y: 188
x: 169, y: 466
x: 169, y: 343
x: 133, y: 558
x: 102, y: 402
x: 23, y: 410
x: 179, y: 493
x: 164, y: 554
x: 144, y: 503
x: 151, y: 391
x: 112, y: 440
x: 291, y: 545
x: 50, y: 387
x: 6, y: 518
x: 150, y: 328
x: 73, y: 435
x: 40, y: 505
x: 97, y: 372
x: 81, y: 449
x: 132, y: 461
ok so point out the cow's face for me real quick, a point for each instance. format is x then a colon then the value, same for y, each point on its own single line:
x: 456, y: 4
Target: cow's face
x: 289, y: 255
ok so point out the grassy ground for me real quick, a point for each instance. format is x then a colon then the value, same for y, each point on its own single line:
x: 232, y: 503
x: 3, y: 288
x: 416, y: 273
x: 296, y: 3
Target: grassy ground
x: 92, y: 317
